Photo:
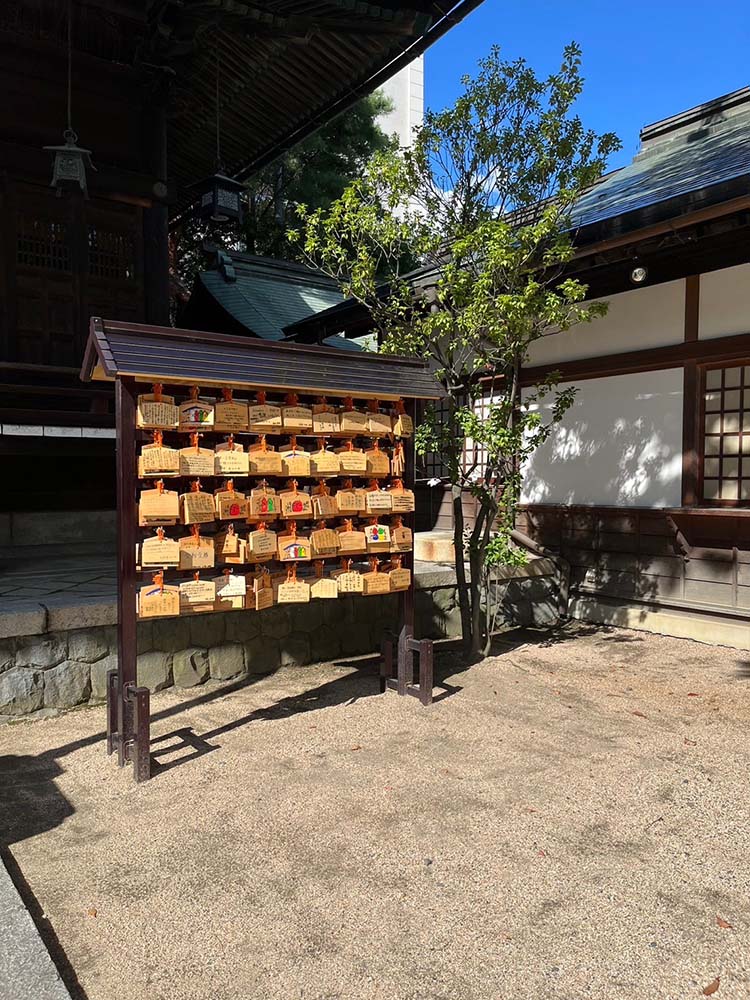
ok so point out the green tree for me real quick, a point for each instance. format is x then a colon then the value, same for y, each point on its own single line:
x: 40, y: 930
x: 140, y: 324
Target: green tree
x: 483, y: 200
x: 314, y: 173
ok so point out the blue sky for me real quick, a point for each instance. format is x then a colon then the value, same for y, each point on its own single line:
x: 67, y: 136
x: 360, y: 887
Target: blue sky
x: 642, y: 61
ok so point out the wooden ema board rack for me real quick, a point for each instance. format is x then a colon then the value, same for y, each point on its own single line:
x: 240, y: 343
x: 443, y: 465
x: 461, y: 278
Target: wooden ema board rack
x: 235, y: 495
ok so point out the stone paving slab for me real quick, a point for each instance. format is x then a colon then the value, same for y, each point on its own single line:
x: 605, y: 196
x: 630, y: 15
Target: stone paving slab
x: 26, y: 970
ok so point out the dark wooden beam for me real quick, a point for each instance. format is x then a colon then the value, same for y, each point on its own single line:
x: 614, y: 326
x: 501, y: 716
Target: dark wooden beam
x: 691, y: 437
x: 654, y: 359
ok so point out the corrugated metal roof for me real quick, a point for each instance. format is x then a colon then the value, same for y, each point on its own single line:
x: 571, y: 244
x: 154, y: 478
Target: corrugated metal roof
x: 266, y: 295
x: 163, y: 354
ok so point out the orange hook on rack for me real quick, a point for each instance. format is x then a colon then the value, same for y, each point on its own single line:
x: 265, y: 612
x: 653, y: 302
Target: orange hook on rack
x: 157, y: 388
x: 195, y: 531
x: 157, y: 437
x: 229, y: 486
x: 291, y: 573
x: 346, y: 564
x: 194, y: 440
x: 160, y: 534
x: 319, y: 564
x: 195, y: 486
x: 348, y: 524
x: 194, y: 393
x: 321, y: 525
x: 374, y: 564
x: 348, y: 404
x: 292, y: 528
x: 230, y: 441
x: 292, y: 399
x: 158, y: 580
x: 159, y: 484
x: 260, y: 397
x: 227, y: 394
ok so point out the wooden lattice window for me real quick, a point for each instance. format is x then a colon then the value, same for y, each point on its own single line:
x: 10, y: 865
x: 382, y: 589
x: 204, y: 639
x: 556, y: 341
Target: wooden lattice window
x: 111, y: 254
x: 430, y: 466
x: 42, y: 243
x: 726, y: 441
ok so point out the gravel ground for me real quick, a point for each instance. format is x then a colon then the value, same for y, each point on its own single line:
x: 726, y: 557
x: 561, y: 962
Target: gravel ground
x: 570, y: 821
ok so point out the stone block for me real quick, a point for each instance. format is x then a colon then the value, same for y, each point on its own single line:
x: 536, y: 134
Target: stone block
x: 340, y: 611
x: 67, y: 684
x: 41, y: 651
x: 355, y: 639
x: 444, y: 598
x: 21, y: 691
x: 170, y: 634
x: 89, y: 645
x: 434, y: 546
x: 307, y: 617
x: 154, y: 670
x: 226, y: 661
x: 294, y: 650
x: 262, y: 655
x: 99, y: 671
x: 325, y: 644
x: 243, y: 625
x: 190, y: 667
x: 144, y: 633
x: 531, y: 602
x: 207, y: 630
x: 275, y: 622
x: 65, y: 612
x: 27, y: 619
x: 7, y: 654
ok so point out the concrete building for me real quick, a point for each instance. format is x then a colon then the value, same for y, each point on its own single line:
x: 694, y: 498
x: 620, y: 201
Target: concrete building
x: 406, y: 91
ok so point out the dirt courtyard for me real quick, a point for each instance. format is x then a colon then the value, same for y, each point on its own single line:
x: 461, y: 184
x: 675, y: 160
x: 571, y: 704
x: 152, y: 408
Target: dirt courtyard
x: 571, y: 820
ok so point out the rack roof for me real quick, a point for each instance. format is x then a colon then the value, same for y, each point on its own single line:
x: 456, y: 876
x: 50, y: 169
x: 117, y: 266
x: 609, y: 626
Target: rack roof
x: 192, y: 357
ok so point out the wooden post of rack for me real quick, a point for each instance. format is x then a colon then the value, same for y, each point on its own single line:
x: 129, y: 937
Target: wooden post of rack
x: 128, y: 723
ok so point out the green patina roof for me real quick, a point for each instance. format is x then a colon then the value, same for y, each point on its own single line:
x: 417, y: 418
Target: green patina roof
x: 265, y: 295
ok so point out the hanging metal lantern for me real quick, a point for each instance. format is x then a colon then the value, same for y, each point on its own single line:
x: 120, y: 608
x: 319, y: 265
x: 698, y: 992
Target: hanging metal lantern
x: 71, y: 162
x: 219, y: 198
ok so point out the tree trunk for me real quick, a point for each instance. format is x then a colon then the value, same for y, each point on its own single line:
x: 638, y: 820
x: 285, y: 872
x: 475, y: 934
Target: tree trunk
x: 477, y: 632
x: 458, y: 548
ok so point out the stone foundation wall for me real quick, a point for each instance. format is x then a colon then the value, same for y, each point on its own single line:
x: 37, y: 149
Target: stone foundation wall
x: 40, y: 674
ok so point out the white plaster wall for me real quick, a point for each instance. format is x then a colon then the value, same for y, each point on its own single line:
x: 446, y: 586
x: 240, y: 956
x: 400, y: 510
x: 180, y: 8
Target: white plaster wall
x: 619, y: 444
x: 406, y: 91
x: 725, y: 302
x: 652, y: 316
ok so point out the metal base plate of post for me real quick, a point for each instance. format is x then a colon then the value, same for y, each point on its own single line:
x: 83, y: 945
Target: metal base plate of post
x: 129, y: 726
x: 399, y: 654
